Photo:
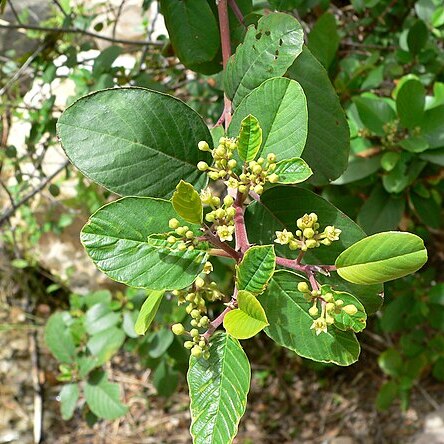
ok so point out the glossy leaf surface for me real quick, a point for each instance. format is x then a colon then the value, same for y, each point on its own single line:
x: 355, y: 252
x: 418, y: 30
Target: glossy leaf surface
x: 250, y: 138
x: 186, y: 201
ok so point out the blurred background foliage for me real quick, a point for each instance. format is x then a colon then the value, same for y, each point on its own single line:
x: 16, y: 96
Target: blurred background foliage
x: 385, y: 58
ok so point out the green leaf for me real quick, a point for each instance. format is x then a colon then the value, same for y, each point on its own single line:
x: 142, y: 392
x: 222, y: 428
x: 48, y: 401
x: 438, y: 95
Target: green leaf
x: 218, y: 391
x: 68, y: 400
x: 256, y: 268
x: 250, y: 138
x: 438, y: 17
x: 160, y: 342
x: 165, y: 379
x: 374, y: 113
x: 328, y: 140
x: 103, y: 397
x: 417, y: 37
x: 192, y: 29
x: 281, y: 206
x: 386, y: 395
x: 323, y: 40
x: 427, y: 209
x: 116, y: 239
x: 105, y: 60
x: 359, y: 168
x: 390, y: 362
x: 287, y: 313
x: 410, y: 102
x: 134, y: 141
x: 248, y: 319
x: 105, y: 344
x: 186, y: 201
x: 100, y: 317
x: 280, y: 106
x: 432, y: 127
x: 389, y: 160
x: 382, y: 257
x: 381, y: 211
x: 58, y: 338
x: 267, y: 51
x: 148, y: 311
x: 294, y: 170
x: 415, y: 144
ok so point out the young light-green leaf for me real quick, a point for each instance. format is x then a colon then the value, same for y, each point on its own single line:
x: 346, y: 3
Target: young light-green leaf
x: 281, y: 108
x: 116, y: 138
x: 117, y: 238
x: 281, y: 302
x: 250, y: 138
x: 68, y: 400
x: 256, y: 268
x: 103, y: 397
x: 248, y: 319
x: 267, y: 51
x: 148, y: 311
x: 382, y: 257
x: 294, y: 170
x: 187, y: 203
x: 218, y: 391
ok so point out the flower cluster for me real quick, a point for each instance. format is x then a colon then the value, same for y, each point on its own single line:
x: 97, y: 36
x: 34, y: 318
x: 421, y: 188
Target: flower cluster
x: 254, y: 174
x: 221, y: 216
x: 196, y: 308
x: 329, y: 307
x: 307, y: 236
x: 182, y: 236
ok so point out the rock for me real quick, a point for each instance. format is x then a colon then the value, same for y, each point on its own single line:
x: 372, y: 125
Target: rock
x: 433, y: 432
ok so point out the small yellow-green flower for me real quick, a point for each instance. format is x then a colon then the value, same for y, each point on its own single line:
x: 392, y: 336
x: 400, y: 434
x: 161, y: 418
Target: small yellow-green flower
x: 331, y: 233
x: 307, y: 221
x: 225, y: 232
x: 283, y: 237
x: 319, y: 326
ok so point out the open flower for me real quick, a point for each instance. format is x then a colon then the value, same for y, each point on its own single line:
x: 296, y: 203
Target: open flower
x: 307, y: 221
x: 331, y: 233
x: 319, y: 325
x: 283, y: 237
x: 225, y: 232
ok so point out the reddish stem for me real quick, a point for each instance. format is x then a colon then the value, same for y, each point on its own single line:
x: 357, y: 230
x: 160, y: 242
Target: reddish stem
x: 240, y: 230
x: 237, y: 12
x: 231, y: 252
x: 215, y: 323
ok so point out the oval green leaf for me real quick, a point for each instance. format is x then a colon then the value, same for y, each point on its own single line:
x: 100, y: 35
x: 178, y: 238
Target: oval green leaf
x: 248, y: 319
x: 256, y: 268
x: 250, y: 138
x: 68, y: 400
x: 267, y: 51
x: 328, y: 140
x: 218, y: 391
x: 103, y: 397
x: 382, y: 257
x: 291, y: 171
x: 116, y: 138
x: 117, y: 238
x: 148, y: 311
x: 186, y: 201
x: 287, y: 313
x: 410, y: 102
x: 280, y: 106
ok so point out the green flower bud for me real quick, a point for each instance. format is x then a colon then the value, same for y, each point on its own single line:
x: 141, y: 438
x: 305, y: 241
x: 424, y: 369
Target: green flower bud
x: 271, y: 157
x: 228, y: 200
x: 303, y: 287
x: 293, y: 244
x: 313, y: 311
x: 194, y: 323
x: 308, y: 233
x: 232, y: 164
x: 202, y: 166
x: 259, y: 189
x: 220, y: 151
x: 219, y: 213
x: 190, y: 247
x: 206, y: 355
x: 208, y: 267
x: 260, y: 161
x: 189, y: 308
x: 171, y: 239
x: 189, y: 234
x: 202, y: 344
x: 203, y: 146
x: 311, y: 243
x: 328, y: 297
x: 178, y: 329
x: 188, y: 344
x: 350, y: 309
x: 330, y: 306
x: 273, y: 178
x: 199, y: 282
x: 257, y: 169
x: 195, y: 313
x: 196, y: 351
x: 204, y: 321
x: 210, y: 217
x: 215, y: 201
x: 230, y: 212
x: 329, y: 319
x: 213, y: 175
x: 222, y: 173
x: 182, y: 246
x: 194, y: 332
x: 173, y: 223
x: 339, y: 303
